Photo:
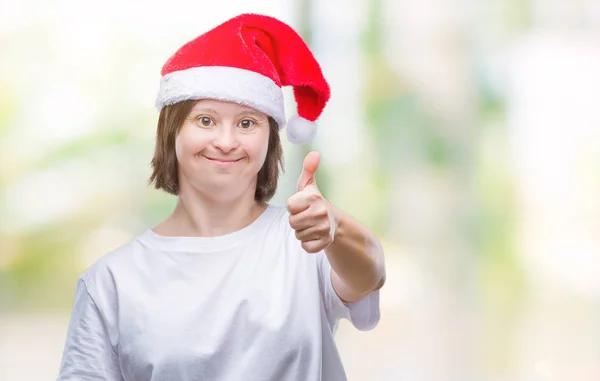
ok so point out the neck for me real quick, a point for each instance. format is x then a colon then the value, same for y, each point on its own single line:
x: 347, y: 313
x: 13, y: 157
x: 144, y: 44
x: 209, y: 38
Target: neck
x: 200, y: 215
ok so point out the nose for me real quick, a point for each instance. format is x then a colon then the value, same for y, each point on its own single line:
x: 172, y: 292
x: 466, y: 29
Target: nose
x: 226, y: 139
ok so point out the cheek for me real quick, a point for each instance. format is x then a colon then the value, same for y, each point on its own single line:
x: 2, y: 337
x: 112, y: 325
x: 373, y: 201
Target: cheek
x: 178, y: 148
x: 261, y: 150
x: 264, y: 150
x: 188, y: 144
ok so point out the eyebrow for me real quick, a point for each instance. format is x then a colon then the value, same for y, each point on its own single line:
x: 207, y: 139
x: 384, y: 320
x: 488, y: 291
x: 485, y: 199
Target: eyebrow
x: 215, y: 112
x: 250, y: 112
x: 208, y: 110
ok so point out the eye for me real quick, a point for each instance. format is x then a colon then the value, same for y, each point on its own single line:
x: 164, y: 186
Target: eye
x: 246, y: 124
x: 205, y: 121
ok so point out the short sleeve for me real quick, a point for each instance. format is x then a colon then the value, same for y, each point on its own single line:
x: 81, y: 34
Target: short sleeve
x: 88, y: 353
x: 363, y: 314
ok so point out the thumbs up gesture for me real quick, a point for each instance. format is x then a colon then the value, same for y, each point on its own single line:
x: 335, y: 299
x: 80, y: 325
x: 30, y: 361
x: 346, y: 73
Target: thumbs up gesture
x: 311, y: 216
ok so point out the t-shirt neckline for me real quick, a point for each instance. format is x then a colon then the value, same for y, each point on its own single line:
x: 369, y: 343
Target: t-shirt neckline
x: 207, y: 244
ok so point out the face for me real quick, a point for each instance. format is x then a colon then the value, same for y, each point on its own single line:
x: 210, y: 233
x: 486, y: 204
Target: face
x: 221, y: 147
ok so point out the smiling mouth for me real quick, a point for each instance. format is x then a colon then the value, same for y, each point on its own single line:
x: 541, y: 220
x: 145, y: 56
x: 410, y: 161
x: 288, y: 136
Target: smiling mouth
x: 222, y: 161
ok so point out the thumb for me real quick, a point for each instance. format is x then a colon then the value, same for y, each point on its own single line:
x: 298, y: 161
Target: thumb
x: 307, y: 177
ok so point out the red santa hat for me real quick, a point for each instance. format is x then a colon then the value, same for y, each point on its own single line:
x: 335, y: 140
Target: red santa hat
x: 247, y: 60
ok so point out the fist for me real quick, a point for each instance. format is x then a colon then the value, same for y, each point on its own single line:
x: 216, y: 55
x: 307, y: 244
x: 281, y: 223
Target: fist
x: 311, y: 216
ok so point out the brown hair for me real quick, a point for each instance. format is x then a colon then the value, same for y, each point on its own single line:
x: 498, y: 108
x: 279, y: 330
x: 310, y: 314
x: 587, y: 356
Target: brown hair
x: 164, y: 163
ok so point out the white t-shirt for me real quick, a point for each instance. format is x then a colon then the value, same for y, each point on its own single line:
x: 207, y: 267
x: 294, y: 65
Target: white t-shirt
x: 249, y: 305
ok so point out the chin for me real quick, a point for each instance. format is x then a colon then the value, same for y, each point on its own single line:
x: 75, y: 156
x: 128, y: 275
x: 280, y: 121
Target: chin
x: 227, y: 186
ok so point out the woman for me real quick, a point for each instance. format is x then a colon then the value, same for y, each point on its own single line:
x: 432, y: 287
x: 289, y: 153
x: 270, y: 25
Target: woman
x: 230, y: 287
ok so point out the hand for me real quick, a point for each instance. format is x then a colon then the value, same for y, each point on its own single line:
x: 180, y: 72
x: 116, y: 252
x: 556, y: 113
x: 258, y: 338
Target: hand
x: 311, y: 216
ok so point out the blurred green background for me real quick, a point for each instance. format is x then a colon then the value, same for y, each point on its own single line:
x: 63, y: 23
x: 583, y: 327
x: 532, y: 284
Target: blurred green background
x: 466, y: 134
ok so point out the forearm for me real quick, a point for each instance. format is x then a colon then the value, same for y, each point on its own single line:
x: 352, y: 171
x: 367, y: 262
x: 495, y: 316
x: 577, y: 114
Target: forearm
x: 356, y: 257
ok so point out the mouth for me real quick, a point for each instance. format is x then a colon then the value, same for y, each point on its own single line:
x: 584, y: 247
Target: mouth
x: 222, y: 162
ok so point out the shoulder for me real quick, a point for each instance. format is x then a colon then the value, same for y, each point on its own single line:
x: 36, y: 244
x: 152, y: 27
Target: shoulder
x: 278, y: 212
x: 100, y: 274
x: 280, y: 220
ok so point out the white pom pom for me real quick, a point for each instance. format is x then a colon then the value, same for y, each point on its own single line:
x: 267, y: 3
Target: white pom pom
x: 300, y: 131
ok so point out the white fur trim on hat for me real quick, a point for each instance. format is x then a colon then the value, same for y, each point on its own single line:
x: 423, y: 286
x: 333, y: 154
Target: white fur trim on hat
x: 300, y: 131
x: 223, y: 83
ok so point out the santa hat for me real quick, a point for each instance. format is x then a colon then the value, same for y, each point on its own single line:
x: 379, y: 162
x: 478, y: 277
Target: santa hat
x: 247, y: 60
